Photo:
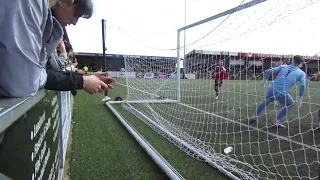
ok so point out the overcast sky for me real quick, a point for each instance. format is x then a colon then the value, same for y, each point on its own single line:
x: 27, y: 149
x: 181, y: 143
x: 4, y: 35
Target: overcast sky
x: 149, y: 27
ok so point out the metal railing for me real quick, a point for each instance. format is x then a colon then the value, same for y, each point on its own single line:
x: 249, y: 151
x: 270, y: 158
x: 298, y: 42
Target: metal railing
x: 34, y: 135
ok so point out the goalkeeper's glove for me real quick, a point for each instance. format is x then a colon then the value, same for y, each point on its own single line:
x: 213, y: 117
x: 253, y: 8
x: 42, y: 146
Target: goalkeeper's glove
x: 264, y: 83
x: 299, y: 101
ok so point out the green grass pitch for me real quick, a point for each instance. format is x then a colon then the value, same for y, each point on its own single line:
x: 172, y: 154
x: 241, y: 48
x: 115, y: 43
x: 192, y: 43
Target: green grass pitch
x: 103, y: 149
x: 217, y: 123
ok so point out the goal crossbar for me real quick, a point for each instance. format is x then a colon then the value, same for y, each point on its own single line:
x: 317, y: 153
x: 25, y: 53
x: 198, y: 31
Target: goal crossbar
x: 227, y: 12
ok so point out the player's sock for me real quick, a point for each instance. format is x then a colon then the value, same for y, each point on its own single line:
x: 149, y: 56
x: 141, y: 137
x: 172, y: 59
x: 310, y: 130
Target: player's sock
x: 282, y: 113
x: 260, y: 107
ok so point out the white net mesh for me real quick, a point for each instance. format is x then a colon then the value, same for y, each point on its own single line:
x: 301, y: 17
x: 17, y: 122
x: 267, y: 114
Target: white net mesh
x: 155, y: 78
x: 208, y: 125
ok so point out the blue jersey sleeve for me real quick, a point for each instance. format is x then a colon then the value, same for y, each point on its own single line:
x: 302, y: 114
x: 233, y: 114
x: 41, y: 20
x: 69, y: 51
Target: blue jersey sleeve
x: 271, y: 72
x: 302, y: 81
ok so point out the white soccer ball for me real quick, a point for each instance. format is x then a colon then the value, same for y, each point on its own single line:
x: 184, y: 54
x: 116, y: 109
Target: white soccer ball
x: 228, y: 150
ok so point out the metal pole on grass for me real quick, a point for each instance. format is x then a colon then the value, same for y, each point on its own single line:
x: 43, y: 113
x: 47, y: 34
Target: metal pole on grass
x: 103, y: 25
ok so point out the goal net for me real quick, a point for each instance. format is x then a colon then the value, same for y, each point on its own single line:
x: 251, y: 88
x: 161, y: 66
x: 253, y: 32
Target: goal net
x: 247, y: 41
x: 155, y: 79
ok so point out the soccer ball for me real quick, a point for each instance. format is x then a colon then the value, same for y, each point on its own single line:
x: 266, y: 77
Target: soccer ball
x: 118, y: 99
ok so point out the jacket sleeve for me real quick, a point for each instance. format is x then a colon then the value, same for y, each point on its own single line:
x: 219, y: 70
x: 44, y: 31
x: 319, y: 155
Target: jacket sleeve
x: 21, y: 30
x: 58, y: 80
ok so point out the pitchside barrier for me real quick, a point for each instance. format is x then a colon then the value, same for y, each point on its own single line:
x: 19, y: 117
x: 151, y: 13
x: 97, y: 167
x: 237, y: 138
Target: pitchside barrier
x: 34, y: 135
x: 149, y: 75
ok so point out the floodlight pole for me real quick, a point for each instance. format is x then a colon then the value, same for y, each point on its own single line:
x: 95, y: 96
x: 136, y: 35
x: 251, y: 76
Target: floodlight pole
x: 103, y: 25
x: 185, y: 23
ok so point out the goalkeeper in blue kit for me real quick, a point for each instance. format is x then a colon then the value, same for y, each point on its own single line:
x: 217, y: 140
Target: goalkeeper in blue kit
x: 278, y: 90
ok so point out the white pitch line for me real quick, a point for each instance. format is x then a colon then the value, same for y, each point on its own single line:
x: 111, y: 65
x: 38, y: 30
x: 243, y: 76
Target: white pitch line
x: 257, y: 95
x: 260, y: 130
x: 230, y: 120
x: 263, y: 96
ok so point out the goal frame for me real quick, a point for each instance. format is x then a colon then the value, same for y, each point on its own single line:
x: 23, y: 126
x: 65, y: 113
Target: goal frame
x: 178, y: 84
x: 179, y: 48
x: 219, y: 15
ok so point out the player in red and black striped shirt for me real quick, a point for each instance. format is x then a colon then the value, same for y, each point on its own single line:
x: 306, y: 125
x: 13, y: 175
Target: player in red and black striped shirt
x: 219, y: 74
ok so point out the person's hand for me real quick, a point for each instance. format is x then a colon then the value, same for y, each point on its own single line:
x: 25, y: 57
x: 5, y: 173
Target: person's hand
x: 81, y: 72
x: 103, y: 76
x: 92, y: 84
x: 75, y: 64
x: 108, y: 81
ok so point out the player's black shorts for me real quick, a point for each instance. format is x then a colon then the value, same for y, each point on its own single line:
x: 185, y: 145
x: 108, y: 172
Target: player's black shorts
x: 217, y: 83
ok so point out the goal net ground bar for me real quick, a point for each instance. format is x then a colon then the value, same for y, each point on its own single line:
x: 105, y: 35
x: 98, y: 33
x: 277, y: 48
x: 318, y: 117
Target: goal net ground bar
x: 151, y: 151
x: 185, y: 144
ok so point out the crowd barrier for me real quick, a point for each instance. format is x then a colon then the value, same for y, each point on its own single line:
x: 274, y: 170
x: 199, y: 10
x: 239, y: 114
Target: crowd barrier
x: 34, y: 135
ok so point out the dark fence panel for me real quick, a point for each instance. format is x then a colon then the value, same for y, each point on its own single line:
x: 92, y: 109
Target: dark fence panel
x: 34, y: 145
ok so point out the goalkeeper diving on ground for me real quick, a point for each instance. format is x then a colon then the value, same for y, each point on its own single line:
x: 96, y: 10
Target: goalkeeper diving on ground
x: 278, y: 90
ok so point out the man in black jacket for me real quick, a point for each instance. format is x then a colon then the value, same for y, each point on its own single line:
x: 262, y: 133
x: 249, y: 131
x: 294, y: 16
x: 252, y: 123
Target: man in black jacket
x: 69, y: 13
x: 28, y: 35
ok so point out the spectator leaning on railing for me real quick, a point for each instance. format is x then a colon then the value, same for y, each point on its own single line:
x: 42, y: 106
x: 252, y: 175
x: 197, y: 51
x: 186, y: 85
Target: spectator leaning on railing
x: 72, y: 61
x: 29, y: 34
x: 62, y: 57
x: 59, y: 58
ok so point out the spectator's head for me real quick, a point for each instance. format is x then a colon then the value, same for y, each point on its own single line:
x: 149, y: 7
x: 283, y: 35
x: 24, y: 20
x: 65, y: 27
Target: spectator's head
x: 220, y: 63
x: 68, y: 12
x: 297, y: 60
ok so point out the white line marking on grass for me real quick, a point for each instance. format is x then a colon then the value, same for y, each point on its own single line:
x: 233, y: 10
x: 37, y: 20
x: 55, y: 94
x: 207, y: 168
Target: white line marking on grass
x: 263, y: 96
x: 235, y: 92
x: 260, y: 130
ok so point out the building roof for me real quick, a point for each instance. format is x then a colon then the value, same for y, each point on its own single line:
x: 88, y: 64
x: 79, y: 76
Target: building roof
x: 248, y: 54
x: 122, y: 55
